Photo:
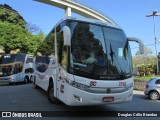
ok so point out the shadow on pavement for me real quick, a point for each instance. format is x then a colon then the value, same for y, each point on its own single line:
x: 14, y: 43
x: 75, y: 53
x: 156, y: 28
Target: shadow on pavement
x: 14, y: 84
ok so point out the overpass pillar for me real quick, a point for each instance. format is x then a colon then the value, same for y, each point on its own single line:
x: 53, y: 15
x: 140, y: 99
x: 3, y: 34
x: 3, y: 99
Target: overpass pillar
x: 68, y: 11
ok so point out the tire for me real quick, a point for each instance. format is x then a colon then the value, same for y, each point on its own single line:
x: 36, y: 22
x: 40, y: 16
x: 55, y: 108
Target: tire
x: 31, y: 79
x: 35, y: 86
x: 12, y: 83
x: 50, y: 94
x: 154, y: 95
x: 25, y: 80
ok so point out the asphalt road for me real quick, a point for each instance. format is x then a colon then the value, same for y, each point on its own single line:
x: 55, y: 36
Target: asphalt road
x: 24, y: 97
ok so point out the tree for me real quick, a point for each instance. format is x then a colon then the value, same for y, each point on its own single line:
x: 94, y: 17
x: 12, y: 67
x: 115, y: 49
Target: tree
x: 147, y: 52
x: 32, y: 28
x: 15, y: 34
x: 146, y: 58
x: 7, y: 14
x: 33, y: 41
x: 14, y: 37
x: 146, y: 62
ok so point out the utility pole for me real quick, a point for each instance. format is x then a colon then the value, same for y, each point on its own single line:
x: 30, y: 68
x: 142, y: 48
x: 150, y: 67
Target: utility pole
x: 154, y: 14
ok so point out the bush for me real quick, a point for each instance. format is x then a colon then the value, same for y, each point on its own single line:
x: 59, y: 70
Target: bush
x: 148, y: 69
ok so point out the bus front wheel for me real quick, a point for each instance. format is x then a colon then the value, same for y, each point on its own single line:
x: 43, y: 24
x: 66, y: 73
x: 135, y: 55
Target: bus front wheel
x: 50, y: 94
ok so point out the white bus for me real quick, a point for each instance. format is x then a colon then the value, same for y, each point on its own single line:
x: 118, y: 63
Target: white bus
x: 16, y: 68
x: 85, y: 62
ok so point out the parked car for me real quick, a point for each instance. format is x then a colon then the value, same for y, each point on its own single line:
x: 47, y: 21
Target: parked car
x: 152, y: 89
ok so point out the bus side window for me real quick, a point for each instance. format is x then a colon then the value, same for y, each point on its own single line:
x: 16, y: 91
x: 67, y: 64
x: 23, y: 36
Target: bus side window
x: 62, y: 50
x: 29, y: 70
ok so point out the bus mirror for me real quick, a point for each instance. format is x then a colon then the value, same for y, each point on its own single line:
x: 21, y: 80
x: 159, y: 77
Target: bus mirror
x: 141, y: 44
x: 67, y: 35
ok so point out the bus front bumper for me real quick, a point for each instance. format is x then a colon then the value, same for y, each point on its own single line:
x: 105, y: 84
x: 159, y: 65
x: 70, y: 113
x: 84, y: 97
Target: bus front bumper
x: 9, y: 79
x: 77, y: 97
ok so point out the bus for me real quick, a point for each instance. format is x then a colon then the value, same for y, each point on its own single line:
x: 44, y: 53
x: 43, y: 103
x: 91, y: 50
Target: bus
x: 85, y: 62
x: 16, y: 68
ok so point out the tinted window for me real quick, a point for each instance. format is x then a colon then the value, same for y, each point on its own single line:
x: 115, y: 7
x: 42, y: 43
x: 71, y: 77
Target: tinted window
x: 29, y: 60
x: 20, y: 58
x: 62, y: 50
x: 11, y: 64
x: 18, y: 67
x: 5, y: 59
x: 157, y: 81
x: 42, y: 63
x: 99, y: 52
x: 45, y: 50
x: 29, y: 70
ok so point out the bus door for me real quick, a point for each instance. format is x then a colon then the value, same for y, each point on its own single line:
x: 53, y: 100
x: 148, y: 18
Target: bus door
x: 62, y: 55
x: 61, y: 84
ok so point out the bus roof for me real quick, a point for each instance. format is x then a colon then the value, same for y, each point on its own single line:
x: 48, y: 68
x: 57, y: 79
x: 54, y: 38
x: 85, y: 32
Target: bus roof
x: 14, y: 54
x: 98, y: 22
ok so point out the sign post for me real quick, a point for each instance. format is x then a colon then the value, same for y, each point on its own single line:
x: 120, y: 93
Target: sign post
x: 158, y: 62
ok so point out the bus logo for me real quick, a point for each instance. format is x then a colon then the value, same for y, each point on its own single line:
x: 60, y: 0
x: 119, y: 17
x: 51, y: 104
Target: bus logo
x: 122, y: 84
x: 93, y: 83
x: 108, y: 90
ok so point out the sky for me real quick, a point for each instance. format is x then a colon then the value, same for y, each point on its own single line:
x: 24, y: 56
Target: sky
x: 130, y: 15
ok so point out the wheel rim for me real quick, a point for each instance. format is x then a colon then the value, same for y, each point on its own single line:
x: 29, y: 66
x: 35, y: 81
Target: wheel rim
x: 154, y: 95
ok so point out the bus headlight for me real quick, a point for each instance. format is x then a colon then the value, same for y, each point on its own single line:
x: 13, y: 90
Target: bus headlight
x: 77, y: 98
x: 12, y: 78
x: 77, y: 85
x: 129, y: 86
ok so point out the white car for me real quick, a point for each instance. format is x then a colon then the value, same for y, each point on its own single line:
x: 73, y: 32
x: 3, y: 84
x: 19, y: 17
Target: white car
x: 152, y: 89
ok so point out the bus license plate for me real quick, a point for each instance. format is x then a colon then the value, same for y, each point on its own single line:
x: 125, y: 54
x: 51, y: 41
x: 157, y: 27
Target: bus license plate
x: 108, y: 99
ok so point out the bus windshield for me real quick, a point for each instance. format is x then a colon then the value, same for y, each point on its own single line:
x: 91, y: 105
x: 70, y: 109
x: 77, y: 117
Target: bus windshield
x: 99, y: 52
x: 5, y: 59
x: 6, y: 70
x: 11, y: 64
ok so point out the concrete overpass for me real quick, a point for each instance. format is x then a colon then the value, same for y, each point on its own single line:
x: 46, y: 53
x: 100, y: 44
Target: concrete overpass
x: 71, y: 6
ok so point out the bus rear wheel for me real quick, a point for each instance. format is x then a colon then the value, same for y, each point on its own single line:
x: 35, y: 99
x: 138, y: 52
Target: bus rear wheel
x: 50, y: 94
x: 25, y: 80
x: 36, y: 86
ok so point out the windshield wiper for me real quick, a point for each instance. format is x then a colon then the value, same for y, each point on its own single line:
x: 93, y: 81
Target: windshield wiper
x: 124, y: 75
x: 112, y: 54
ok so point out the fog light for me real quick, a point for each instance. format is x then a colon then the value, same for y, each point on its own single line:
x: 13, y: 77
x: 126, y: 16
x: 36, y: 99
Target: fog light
x: 78, y: 98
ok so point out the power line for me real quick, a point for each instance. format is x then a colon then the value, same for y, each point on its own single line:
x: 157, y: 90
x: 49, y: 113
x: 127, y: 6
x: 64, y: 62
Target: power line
x: 145, y: 45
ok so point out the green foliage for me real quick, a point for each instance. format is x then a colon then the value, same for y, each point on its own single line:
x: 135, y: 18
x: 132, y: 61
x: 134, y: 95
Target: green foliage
x: 11, y: 36
x: 145, y: 58
x: 145, y: 78
x: 140, y: 59
x: 14, y: 37
x: 147, y: 52
x: 47, y: 46
x: 145, y: 70
x: 7, y: 14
